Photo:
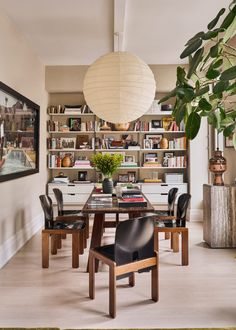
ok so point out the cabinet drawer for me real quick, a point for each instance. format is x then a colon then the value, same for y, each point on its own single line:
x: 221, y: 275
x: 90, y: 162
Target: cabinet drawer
x: 148, y: 188
x: 157, y: 198
x: 72, y: 189
x: 72, y: 199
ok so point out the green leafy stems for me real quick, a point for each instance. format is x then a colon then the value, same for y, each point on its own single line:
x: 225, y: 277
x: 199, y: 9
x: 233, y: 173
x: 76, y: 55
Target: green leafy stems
x: 208, y: 88
x: 107, y: 163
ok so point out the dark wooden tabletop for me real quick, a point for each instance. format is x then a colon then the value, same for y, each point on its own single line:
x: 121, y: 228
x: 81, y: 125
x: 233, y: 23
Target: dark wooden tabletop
x: 114, y: 207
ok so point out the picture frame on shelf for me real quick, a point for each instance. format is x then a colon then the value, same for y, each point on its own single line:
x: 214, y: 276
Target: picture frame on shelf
x: 68, y: 143
x: 156, y: 139
x: 82, y: 141
x: 147, y: 143
x: 123, y: 178
x: 166, y: 156
x: 132, y: 176
x: 229, y: 141
x: 150, y: 157
x: 129, y: 159
x: 156, y: 124
x: 82, y: 175
x: 74, y: 124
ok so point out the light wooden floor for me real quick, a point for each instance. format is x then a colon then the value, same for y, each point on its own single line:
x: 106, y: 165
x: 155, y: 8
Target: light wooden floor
x: 200, y: 295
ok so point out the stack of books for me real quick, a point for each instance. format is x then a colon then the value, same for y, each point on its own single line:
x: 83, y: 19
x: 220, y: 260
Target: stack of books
x: 151, y: 164
x: 61, y: 179
x: 100, y: 199
x: 73, y: 109
x: 132, y: 200
x: 82, y: 163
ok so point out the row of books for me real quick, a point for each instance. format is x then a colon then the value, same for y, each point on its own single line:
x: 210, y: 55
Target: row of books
x: 56, y: 126
x: 164, y: 124
x: 77, y: 109
x: 178, y: 143
x: 177, y: 161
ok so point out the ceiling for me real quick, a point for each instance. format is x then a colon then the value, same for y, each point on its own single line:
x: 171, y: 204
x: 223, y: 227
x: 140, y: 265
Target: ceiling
x: 76, y: 32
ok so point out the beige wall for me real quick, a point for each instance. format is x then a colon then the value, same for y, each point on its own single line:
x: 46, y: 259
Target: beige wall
x: 61, y: 79
x: 21, y: 214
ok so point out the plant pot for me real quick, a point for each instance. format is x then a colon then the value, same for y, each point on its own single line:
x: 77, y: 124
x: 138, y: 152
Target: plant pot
x: 107, y: 186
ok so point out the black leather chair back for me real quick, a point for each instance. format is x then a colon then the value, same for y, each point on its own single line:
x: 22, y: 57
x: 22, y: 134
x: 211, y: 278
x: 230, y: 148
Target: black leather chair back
x: 59, y: 198
x: 182, y: 207
x: 172, y: 194
x: 46, y: 203
x: 134, y: 240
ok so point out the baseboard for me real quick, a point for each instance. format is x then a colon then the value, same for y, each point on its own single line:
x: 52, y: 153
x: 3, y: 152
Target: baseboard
x: 196, y: 214
x: 9, y: 248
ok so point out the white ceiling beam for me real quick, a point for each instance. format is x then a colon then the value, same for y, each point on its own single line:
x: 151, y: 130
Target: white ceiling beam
x: 119, y: 24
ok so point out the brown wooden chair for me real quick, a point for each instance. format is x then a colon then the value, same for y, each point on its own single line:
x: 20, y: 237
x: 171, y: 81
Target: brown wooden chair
x: 175, y: 225
x: 132, y: 251
x: 61, y: 212
x: 55, y: 229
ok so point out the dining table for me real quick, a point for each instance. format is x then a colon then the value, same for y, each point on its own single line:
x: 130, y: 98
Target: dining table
x: 100, y: 212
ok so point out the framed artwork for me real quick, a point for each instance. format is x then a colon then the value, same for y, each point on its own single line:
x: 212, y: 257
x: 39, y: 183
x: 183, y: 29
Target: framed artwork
x: 156, y: 124
x: 68, y: 143
x: 82, y: 175
x: 147, y: 143
x: 150, y: 157
x: 156, y: 138
x: 74, y: 124
x: 132, y: 176
x: 229, y: 141
x: 166, y: 156
x: 19, y: 135
x: 123, y: 178
x: 129, y: 159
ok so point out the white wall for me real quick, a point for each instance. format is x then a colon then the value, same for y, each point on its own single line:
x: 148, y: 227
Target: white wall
x: 198, y: 170
x: 70, y: 79
x: 21, y: 214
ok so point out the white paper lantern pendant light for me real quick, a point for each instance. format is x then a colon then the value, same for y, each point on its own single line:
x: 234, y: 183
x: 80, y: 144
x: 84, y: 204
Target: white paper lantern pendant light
x: 119, y: 87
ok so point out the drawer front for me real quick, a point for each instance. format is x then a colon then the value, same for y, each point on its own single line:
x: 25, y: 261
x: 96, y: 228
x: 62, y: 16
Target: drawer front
x: 163, y: 188
x: 157, y: 198
x: 72, y: 189
x: 72, y: 199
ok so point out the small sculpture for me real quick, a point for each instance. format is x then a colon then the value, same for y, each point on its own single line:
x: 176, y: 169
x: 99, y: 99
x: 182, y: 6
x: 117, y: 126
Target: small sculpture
x: 217, y: 165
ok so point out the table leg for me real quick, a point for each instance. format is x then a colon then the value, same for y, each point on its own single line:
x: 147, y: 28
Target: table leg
x: 184, y: 235
x: 97, y: 232
x: 133, y: 215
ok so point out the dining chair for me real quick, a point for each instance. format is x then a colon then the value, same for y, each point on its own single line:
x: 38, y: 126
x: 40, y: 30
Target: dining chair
x: 132, y: 251
x: 172, y: 194
x: 54, y: 229
x: 61, y: 212
x: 175, y: 225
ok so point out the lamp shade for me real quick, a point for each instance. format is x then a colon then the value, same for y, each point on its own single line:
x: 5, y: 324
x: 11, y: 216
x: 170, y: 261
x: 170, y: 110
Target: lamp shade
x: 119, y: 87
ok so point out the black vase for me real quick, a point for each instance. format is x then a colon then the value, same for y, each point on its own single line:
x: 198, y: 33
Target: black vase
x: 107, y: 186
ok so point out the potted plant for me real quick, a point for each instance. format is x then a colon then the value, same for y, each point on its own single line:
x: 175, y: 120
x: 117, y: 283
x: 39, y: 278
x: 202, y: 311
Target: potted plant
x: 108, y: 165
x: 208, y: 88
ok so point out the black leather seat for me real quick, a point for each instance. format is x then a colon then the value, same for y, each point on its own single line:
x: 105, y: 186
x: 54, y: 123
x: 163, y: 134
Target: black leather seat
x: 132, y: 251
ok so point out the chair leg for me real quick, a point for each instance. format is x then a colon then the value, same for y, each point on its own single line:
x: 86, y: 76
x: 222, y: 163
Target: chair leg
x: 171, y: 241
x: 184, y: 248
x: 75, y: 250
x: 175, y: 243
x: 167, y: 235
x: 155, y: 281
x: 81, y: 241
x: 53, y: 244
x: 91, y: 276
x: 45, y: 250
x: 112, y: 292
x: 132, y: 279
x: 117, y: 219
x: 58, y: 241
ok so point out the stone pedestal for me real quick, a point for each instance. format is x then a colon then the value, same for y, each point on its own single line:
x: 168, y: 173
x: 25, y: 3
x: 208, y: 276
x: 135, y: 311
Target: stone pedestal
x: 219, y: 216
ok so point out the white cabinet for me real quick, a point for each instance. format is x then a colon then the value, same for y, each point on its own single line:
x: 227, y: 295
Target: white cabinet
x: 157, y: 193
x: 73, y: 194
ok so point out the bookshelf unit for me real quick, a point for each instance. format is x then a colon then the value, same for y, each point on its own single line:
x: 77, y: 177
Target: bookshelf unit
x: 140, y: 162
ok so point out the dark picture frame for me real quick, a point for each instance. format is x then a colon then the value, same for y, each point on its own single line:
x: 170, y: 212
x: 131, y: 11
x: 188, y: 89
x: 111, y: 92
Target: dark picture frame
x: 74, y: 124
x: 19, y: 134
x: 82, y: 175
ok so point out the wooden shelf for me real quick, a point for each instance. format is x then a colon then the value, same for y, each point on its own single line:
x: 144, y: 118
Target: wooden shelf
x: 71, y: 132
x: 71, y: 115
x: 65, y: 150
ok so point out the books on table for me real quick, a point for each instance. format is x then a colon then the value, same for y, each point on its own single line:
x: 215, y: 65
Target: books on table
x: 100, y: 199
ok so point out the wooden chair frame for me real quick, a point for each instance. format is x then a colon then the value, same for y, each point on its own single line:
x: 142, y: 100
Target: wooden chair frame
x: 115, y: 271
